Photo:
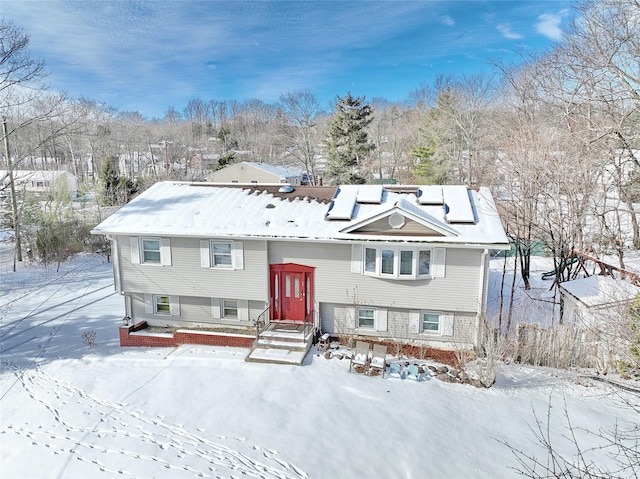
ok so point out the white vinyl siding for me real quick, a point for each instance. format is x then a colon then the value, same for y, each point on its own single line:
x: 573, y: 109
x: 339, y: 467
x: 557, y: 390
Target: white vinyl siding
x: 221, y: 254
x: 150, y: 251
x: 356, y: 258
x: 335, y: 283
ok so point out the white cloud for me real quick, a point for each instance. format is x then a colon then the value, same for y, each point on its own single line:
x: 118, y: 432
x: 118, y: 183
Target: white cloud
x: 549, y: 25
x: 447, y: 20
x: 505, y: 30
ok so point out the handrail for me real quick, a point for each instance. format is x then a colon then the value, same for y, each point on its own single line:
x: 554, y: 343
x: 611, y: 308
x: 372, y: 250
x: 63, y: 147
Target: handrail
x: 262, y: 322
x: 308, y: 323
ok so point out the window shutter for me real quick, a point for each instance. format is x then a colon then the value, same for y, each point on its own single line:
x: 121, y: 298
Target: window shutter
x: 243, y: 310
x: 352, y: 317
x: 381, y: 319
x: 135, y: 249
x: 356, y: 258
x: 165, y: 252
x: 440, y: 256
x: 215, y: 308
x: 205, y: 254
x: 446, y: 324
x: 174, y: 305
x: 238, y: 255
x: 414, y: 322
x: 148, y: 303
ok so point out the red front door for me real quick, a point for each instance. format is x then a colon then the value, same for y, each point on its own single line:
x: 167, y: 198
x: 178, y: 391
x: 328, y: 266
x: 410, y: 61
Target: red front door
x: 291, y: 291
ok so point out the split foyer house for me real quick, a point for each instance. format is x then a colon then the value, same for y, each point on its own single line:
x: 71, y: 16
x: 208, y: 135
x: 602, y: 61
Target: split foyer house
x: 402, y: 263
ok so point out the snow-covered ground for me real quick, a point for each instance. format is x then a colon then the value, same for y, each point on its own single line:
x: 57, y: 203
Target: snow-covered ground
x: 68, y: 410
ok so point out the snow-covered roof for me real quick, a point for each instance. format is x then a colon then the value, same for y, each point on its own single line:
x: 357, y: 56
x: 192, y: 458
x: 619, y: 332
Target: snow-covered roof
x: 252, y: 211
x: 600, y: 290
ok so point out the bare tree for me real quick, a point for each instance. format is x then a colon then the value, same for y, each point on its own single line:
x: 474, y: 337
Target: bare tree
x: 302, y: 134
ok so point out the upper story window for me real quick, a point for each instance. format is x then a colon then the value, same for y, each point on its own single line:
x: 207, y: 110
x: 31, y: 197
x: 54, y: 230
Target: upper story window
x: 152, y: 251
x: 398, y: 262
x: 221, y: 254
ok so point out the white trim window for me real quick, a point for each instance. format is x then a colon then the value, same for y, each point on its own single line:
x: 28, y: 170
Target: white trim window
x: 435, y: 323
x: 430, y: 322
x: 150, y: 251
x: 230, y: 309
x: 221, y: 254
x: 370, y: 318
x: 366, y: 318
x: 162, y: 304
x: 397, y: 262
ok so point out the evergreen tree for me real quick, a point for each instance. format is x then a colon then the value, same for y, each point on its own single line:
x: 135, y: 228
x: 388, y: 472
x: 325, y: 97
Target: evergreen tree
x: 114, y: 189
x: 348, y: 145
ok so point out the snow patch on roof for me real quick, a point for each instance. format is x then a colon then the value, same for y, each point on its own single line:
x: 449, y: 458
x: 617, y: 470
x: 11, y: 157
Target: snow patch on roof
x: 207, y: 210
x: 600, y: 290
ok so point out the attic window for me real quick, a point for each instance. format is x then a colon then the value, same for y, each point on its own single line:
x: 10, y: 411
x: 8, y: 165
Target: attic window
x: 396, y: 221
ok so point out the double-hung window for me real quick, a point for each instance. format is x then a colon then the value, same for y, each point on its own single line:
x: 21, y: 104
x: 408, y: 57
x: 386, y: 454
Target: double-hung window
x: 162, y: 304
x: 370, y: 318
x: 221, y: 254
x: 430, y: 322
x: 230, y: 309
x: 151, y: 251
x: 398, y: 262
x: 366, y: 318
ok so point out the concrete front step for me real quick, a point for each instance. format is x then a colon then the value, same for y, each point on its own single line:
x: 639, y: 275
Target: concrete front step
x: 276, y: 344
x: 276, y: 356
x: 281, y: 343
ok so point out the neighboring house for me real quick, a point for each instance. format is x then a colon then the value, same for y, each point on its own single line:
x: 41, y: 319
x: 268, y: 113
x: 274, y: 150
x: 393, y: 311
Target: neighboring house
x: 596, y: 301
x: 257, y: 173
x: 40, y: 181
x: 402, y: 263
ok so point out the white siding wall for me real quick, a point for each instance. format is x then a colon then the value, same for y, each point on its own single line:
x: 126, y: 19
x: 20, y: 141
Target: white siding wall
x: 193, y: 311
x: 339, y: 319
x: 335, y: 283
x: 186, y: 277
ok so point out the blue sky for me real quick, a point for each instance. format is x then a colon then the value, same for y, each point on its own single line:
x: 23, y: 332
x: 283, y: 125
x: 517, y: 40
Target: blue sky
x: 149, y: 55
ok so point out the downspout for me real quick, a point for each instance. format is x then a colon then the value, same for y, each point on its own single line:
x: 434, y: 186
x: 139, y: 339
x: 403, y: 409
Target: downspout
x: 483, y: 288
x: 115, y: 254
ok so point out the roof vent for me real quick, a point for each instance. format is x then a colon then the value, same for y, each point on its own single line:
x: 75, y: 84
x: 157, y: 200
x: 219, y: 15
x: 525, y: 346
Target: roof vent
x: 285, y: 189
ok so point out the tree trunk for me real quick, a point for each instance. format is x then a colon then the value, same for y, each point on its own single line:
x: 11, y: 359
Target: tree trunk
x: 12, y: 192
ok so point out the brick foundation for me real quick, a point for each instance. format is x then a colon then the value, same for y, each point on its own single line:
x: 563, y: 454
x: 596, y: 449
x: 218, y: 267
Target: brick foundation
x: 181, y: 336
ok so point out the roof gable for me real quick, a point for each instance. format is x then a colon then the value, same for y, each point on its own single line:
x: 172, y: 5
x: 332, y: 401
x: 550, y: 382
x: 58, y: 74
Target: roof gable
x: 402, y: 218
